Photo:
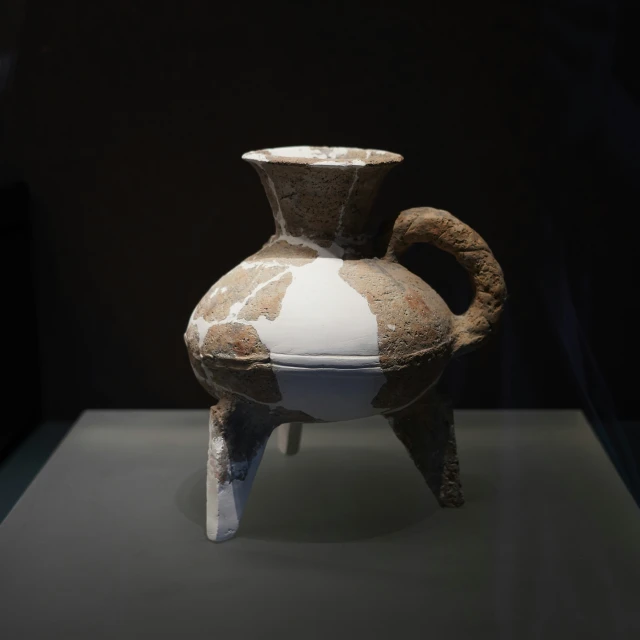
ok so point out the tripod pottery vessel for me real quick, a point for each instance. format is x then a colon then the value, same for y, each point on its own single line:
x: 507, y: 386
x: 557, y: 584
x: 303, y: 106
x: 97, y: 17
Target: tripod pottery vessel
x: 320, y: 325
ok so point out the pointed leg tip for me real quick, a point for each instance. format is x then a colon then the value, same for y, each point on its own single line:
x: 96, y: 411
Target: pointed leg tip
x: 221, y: 536
x: 451, y: 502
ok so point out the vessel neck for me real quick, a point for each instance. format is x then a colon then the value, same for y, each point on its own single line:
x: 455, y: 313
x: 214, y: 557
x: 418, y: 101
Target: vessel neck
x: 327, y: 205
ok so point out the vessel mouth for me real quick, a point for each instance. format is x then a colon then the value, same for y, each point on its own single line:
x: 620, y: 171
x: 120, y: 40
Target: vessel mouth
x: 324, y: 156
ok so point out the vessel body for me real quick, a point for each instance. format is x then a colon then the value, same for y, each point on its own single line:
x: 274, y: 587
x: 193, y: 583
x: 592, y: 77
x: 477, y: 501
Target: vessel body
x: 324, y: 324
x: 298, y: 327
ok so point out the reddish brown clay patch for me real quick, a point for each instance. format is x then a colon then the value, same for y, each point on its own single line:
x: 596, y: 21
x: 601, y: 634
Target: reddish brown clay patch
x: 414, y: 327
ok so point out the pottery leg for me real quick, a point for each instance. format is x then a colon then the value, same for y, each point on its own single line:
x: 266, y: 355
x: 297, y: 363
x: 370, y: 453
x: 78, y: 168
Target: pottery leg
x: 238, y: 433
x: 426, y: 430
x: 289, y: 436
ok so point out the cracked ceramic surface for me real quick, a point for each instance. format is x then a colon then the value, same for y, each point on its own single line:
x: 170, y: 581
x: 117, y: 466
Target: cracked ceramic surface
x: 314, y: 327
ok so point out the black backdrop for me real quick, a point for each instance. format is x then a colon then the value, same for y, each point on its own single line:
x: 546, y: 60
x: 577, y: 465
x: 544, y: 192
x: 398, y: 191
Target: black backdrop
x: 127, y: 120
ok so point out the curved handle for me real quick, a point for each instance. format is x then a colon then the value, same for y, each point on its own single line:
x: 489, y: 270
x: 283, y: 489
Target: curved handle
x: 446, y: 232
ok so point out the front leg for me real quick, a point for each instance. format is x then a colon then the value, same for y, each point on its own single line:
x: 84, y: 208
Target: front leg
x: 238, y: 434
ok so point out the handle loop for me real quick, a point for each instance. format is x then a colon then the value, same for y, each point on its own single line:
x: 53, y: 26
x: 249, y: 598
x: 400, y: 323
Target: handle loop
x: 445, y: 231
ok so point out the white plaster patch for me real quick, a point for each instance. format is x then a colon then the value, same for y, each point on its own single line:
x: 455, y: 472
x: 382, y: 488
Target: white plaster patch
x: 202, y: 326
x: 320, y: 315
x: 226, y: 501
x: 324, y: 344
x: 391, y: 326
x: 280, y: 221
x: 218, y: 445
x: 329, y: 394
x: 346, y: 203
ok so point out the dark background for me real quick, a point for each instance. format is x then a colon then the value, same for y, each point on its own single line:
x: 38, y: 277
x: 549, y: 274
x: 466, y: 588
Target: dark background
x: 124, y: 197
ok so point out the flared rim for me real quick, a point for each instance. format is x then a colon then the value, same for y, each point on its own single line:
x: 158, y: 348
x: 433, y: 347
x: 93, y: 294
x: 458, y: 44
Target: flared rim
x: 319, y: 156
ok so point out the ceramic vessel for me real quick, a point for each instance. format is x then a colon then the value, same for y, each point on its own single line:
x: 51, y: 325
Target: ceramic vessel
x: 316, y: 327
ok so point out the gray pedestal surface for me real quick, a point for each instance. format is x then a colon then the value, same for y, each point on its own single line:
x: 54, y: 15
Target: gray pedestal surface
x: 341, y: 541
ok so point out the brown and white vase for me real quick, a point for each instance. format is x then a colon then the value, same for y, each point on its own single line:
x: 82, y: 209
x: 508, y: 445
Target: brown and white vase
x: 315, y: 327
